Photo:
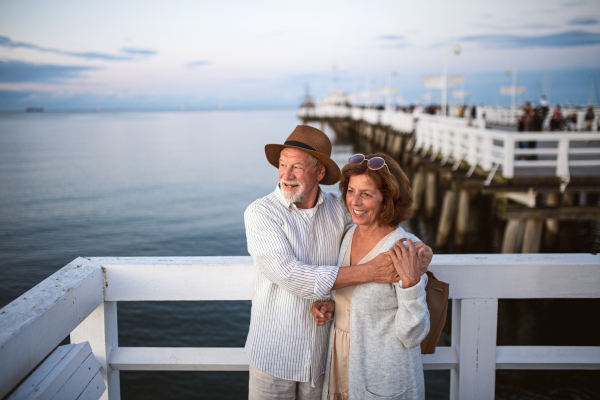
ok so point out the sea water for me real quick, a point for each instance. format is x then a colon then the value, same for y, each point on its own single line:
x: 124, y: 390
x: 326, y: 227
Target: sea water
x: 177, y: 184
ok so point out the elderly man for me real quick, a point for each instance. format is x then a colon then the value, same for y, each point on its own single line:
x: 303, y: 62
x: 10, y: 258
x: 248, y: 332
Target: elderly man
x: 294, y: 236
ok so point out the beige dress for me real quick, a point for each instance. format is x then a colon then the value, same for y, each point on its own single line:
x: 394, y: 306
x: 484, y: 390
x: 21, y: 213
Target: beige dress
x: 340, y: 351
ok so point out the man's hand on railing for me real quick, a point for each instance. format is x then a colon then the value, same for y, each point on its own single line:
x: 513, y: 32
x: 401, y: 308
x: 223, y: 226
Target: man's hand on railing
x: 323, y: 311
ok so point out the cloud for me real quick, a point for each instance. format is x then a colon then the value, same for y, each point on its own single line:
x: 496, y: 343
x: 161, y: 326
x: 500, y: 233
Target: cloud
x: 498, y: 27
x: 391, y: 37
x: 396, y: 46
x: 141, y: 52
x: 573, y: 3
x: 393, y: 41
x: 194, y: 64
x: 19, y: 71
x: 584, y: 21
x: 89, y: 55
x: 563, y: 39
x: 249, y: 80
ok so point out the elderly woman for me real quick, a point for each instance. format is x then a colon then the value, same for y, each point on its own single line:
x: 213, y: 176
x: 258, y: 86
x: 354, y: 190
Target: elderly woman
x: 374, y: 350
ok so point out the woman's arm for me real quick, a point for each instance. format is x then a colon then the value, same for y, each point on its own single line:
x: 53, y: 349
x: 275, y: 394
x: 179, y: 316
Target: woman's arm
x: 412, y: 316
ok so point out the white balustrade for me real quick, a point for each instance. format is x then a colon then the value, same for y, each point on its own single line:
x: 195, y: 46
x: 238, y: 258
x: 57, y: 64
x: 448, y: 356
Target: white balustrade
x: 81, y: 299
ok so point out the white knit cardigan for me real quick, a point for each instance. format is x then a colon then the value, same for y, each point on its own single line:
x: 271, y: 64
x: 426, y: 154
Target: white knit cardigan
x: 387, y: 325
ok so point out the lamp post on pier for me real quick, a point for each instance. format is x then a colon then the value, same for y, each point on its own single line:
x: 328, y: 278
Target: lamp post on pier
x: 456, y: 50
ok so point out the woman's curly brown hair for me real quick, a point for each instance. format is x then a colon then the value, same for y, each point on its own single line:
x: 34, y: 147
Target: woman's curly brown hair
x: 394, y: 186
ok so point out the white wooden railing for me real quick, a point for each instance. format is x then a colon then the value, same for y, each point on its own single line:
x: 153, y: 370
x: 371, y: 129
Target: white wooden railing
x: 81, y: 300
x: 493, y: 150
x: 397, y: 120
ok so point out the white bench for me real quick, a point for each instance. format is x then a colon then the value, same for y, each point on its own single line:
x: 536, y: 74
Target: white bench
x: 70, y: 373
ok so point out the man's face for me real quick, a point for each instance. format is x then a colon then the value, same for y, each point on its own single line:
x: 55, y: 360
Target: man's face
x: 297, y: 175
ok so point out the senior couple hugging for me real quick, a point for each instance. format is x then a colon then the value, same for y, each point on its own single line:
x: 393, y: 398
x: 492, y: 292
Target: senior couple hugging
x: 339, y: 306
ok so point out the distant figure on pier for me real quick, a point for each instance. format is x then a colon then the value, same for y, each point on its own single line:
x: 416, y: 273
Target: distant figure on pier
x: 557, y: 123
x: 379, y: 325
x: 523, y: 124
x: 530, y: 121
x: 417, y: 110
x: 294, y: 237
x: 571, y: 122
x: 589, y: 118
x: 544, y: 107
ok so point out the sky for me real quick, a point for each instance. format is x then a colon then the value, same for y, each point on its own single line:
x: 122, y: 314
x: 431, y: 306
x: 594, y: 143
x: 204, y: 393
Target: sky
x: 262, y: 54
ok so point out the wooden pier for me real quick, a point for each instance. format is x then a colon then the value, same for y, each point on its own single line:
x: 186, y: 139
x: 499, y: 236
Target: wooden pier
x: 451, y: 160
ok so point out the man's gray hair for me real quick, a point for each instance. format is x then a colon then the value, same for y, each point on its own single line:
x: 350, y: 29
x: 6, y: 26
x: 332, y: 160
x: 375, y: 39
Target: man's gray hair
x: 315, y: 162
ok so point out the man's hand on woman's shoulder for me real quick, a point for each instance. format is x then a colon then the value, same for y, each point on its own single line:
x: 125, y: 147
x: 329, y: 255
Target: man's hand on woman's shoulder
x: 382, y: 270
x: 407, y: 263
x: 424, y: 253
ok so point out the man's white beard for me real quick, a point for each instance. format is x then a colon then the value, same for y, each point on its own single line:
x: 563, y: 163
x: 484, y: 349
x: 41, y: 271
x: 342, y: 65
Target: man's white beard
x: 292, y: 197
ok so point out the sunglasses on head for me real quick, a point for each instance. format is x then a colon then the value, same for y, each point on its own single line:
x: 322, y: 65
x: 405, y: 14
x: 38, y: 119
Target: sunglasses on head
x: 374, y: 163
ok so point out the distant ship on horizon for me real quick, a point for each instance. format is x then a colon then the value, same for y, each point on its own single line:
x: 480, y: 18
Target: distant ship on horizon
x: 34, y: 109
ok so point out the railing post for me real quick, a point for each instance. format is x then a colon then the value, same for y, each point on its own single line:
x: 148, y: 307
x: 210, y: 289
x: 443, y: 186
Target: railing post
x: 488, y: 148
x: 477, y: 350
x: 508, y: 164
x: 100, y: 329
x: 562, y: 158
x: 455, y: 343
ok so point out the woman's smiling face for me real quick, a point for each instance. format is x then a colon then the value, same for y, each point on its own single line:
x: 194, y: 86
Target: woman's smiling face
x: 364, y: 200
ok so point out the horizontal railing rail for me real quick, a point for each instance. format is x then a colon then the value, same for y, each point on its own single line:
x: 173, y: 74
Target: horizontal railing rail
x: 81, y: 299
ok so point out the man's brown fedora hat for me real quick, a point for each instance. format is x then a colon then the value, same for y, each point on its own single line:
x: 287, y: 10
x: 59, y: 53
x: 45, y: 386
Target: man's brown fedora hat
x: 312, y: 141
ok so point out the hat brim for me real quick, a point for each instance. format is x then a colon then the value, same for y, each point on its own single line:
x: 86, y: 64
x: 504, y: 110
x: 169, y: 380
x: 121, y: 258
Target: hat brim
x: 332, y: 171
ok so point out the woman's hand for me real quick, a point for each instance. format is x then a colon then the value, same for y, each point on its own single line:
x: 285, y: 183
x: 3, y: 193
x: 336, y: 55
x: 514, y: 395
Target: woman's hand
x: 407, y: 263
x: 323, y: 311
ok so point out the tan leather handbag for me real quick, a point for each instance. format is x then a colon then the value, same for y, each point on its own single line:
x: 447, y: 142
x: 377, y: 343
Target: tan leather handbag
x: 437, y: 303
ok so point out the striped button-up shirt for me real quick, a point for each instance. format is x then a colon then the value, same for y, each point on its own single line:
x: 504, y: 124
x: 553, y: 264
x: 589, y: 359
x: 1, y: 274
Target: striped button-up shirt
x: 295, y: 256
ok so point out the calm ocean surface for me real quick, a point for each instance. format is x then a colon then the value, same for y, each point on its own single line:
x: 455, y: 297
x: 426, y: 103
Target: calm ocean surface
x: 177, y: 184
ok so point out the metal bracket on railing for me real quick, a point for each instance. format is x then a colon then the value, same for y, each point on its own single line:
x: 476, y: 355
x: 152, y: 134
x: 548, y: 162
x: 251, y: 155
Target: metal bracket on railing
x: 565, y: 179
x: 472, y: 168
x: 491, y: 175
x: 445, y: 159
x: 457, y: 164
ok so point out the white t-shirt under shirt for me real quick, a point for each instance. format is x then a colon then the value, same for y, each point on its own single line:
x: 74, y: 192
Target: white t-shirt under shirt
x: 309, y: 211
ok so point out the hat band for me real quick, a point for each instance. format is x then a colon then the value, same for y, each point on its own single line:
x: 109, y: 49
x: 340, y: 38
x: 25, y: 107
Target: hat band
x: 298, y: 144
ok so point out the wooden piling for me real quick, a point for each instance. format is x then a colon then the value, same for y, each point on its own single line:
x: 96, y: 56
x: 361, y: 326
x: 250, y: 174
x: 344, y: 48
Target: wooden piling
x: 430, y: 194
x: 511, y: 242
x: 532, y: 239
x: 570, y: 198
x: 448, y: 210
x: 462, y: 216
x: 418, y: 186
x: 415, y: 161
x: 552, y: 223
